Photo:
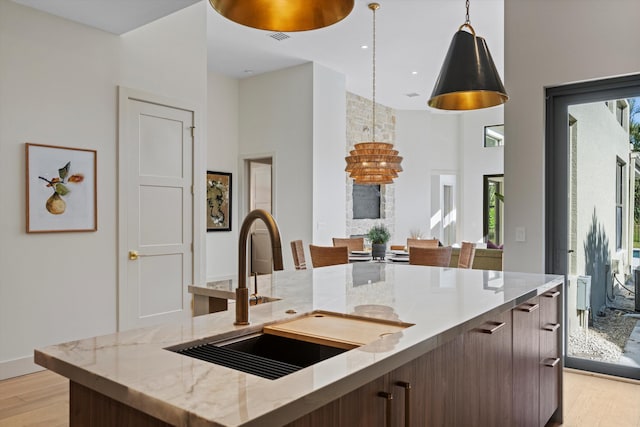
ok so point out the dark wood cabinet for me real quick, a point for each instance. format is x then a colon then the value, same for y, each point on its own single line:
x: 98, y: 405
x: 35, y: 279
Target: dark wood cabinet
x: 550, y: 356
x: 526, y: 364
x: 505, y: 372
x: 486, y: 394
x: 426, y: 389
x: 365, y: 406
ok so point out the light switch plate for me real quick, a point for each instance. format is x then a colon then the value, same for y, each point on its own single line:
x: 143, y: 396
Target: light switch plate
x: 520, y: 234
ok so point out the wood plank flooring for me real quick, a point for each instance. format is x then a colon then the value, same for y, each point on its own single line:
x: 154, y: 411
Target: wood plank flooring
x: 42, y: 399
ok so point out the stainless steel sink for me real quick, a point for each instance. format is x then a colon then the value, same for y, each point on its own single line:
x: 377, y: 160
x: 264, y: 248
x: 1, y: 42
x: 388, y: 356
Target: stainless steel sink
x: 264, y: 355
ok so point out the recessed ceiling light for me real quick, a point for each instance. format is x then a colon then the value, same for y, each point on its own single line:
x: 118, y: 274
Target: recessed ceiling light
x: 414, y: 73
x: 364, y: 46
x: 412, y: 94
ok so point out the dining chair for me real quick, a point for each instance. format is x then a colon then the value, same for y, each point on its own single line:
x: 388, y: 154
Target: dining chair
x: 298, y: 255
x: 353, y: 243
x: 437, y: 257
x: 398, y: 247
x: 422, y: 243
x: 467, y: 254
x: 322, y: 256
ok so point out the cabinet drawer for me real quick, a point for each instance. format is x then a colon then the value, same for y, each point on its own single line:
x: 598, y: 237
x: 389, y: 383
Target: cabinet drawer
x: 550, y: 329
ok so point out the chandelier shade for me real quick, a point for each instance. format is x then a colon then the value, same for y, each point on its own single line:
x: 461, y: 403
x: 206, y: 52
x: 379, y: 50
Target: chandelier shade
x: 468, y: 79
x: 371, y: 163
x: 284, y: 15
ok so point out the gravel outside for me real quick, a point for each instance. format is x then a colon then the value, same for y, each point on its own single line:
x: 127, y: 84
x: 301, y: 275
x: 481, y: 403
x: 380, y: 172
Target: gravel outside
x: 608, y: 334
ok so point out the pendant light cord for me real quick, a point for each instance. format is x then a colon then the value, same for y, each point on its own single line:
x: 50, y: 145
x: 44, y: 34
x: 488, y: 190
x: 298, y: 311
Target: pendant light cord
x: 374, y: 7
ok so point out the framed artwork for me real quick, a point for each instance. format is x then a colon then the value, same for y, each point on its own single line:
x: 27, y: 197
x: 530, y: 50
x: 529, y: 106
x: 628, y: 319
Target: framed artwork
x: 218, y: 201
x: 61, y: 189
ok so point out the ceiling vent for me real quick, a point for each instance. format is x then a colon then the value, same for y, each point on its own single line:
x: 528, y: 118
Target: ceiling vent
x: 412, y: 94
x: 279, y: 36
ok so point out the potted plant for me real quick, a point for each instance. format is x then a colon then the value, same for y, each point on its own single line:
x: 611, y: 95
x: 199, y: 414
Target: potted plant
x: 378, y: 235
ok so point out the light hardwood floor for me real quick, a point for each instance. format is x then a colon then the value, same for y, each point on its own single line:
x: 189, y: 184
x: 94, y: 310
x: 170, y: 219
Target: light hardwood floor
x: 42, y: 399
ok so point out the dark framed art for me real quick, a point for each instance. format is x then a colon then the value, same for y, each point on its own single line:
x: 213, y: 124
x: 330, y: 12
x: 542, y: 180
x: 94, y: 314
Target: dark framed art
x: 218, y: 201
x: 61, y: 189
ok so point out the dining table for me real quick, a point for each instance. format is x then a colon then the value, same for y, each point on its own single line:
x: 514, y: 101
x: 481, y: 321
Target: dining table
x: 398, y: 256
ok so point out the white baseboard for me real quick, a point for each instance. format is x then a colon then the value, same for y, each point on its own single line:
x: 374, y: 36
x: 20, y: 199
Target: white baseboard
x: 17, y: 367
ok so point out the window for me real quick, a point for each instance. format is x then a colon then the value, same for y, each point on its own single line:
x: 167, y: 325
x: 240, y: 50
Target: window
x: 493, y: 209
x: 494, y: 136
x: 619, y: 201
x: 621, y: 106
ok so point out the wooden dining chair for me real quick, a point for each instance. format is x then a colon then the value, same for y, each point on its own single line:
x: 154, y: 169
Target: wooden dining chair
x: 298, y: 255
x: 422, y: 243
x: 437, y: 257
x: 322, y: 256
x: 398, y: 247
x: 353, y: 243
x: 467, y: 253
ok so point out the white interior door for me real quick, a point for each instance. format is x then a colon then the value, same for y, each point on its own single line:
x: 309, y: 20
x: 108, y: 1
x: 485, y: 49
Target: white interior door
x: 260, y: 198
x: 157, y: 181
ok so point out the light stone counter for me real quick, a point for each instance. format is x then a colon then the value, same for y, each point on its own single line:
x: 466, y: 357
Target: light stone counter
x: 213, y: 296
x: 133, y: 367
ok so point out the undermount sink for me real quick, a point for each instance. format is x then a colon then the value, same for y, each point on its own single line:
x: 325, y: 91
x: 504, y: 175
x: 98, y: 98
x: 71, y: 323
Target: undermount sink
x: 288, y: 346
x: 264, y: 355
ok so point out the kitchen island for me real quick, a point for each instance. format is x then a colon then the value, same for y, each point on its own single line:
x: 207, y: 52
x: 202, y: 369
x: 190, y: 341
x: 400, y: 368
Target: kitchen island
x: 131, y: 376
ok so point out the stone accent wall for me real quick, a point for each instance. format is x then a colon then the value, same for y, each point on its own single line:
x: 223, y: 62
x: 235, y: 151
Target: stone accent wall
x: 359, y: 122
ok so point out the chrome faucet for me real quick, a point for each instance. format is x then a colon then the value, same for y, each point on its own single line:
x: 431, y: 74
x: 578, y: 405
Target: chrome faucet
x: 242, y: 292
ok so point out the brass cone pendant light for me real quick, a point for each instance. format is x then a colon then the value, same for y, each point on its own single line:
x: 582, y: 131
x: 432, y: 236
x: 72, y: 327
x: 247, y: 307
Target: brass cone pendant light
x: 373, y: 162
x: 468, y: 79
x: 284, y: 15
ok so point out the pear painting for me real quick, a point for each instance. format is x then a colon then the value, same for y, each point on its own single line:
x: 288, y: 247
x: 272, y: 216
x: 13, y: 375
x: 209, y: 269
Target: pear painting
x: 55, y: 204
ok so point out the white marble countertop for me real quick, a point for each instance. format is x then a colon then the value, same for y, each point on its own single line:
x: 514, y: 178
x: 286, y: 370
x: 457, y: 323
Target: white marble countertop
x: 133, y: 366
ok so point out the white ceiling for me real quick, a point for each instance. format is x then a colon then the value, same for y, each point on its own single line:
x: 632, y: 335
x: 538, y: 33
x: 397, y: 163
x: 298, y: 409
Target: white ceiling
x: 114, y: 16
x: 412, y: 35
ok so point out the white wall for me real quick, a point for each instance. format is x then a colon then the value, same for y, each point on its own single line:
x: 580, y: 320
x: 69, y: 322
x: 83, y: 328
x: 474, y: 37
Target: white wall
x: 58, y: 86
x: 429, y: 144
x: 551, y: 43
x: 329, y: 142
x: 600, y: 142
x: 222, y: 156
x: 475, y: 162
x: 276, y: 111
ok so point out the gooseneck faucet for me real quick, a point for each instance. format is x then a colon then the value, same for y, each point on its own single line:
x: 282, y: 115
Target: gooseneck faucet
x: 242, y: 292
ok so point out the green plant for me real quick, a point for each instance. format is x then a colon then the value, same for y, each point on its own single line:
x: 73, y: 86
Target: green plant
x: 379, y: 234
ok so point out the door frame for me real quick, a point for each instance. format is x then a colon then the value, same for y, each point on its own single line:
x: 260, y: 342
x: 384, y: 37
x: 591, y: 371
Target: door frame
x: 198, y: 189
x: 558, y: 99
x: 244, y: 180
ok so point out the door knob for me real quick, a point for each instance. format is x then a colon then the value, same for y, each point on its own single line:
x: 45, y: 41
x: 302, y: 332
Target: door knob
x: 133, y: 255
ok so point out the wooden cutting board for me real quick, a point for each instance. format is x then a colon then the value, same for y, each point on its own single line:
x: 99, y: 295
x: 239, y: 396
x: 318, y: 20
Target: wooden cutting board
x: 335, y: 330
